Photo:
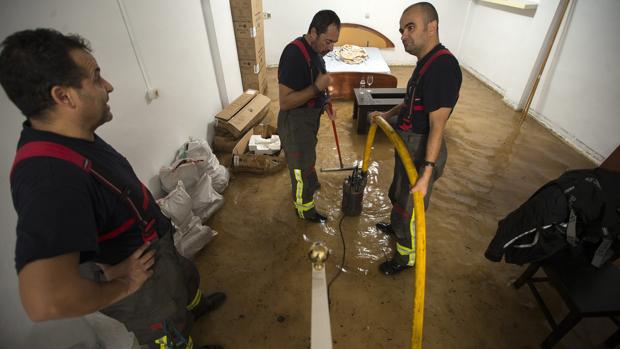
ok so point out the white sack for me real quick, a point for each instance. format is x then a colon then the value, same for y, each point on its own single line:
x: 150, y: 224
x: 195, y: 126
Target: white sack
x: 180, y: 170
x: 177, y: 206
x: 193, y: 239
x: 205, y: 200
x: 199, y: 151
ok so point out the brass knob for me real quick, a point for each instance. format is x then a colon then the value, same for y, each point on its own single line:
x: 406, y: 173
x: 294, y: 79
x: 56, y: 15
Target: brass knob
x: 318, y: 254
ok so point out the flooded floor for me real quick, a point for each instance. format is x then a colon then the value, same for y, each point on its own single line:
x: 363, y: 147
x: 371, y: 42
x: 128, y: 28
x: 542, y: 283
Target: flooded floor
x: 260, y: 259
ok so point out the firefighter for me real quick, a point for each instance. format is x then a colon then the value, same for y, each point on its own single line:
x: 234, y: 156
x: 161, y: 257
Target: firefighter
x: 303, y: 83
x: 432, y: 92
x: 90, y: 236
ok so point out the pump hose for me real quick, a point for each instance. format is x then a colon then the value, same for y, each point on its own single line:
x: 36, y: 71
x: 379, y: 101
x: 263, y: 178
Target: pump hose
x: 420, y: 223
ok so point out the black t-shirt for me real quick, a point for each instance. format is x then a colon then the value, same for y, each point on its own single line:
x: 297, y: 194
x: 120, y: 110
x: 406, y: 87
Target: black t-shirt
x: 62, y: 209
x: 438, y: 88
x: 293, y: 69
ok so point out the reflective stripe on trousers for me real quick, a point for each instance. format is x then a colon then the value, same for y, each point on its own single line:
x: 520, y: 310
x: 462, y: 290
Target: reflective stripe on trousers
x: 298, y: 130
x: 174, y: 340
x: 195, y: 301
x: 408, y: 252
x: 300, y: 206
x: 177, y: 340
x: 401, y: 216
x: 163, y: 299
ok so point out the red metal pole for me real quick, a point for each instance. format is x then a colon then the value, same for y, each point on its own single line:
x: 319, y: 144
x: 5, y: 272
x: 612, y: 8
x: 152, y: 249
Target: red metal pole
x: 330, y: 112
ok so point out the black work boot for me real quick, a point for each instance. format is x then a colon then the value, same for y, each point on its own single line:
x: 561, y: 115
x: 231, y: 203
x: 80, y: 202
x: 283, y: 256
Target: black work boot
x: 385, y: 228
x: 392, y: 267
x: 211, y: 347
x: 316, y: 218
x: 208, y: 304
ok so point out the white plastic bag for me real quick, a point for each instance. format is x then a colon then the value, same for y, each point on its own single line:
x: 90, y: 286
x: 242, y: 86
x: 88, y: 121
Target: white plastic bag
x: 177, y: 206
x: 199, y: 150
x: 191, y: 240
x: 205, y: 200
x: 181, y: 170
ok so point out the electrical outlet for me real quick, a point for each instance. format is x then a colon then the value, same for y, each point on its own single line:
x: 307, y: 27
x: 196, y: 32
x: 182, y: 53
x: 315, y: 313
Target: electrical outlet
x: 152, y: 93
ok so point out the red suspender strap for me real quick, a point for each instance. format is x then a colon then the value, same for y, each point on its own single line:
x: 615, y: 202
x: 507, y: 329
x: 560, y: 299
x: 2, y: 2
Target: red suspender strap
x: 58, y: 151
x: 145, y: 195
x: 51, y: 150
x: 425, y: 67
x: 432, y: 59
x: 118, y: 231
x: 304, y: 51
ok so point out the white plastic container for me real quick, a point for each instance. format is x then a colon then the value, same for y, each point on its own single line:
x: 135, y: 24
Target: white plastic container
x: 264, y: 146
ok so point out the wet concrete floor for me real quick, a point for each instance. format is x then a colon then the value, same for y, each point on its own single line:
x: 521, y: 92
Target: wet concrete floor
x: 260, y: 259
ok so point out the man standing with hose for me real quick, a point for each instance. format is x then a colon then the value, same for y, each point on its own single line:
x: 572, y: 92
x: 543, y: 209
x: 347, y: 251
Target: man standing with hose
x: 303, y: 82
x: 432, y: 93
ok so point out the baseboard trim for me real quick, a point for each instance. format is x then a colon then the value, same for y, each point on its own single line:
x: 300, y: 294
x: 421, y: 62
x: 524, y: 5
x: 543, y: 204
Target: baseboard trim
x: 555, y: 129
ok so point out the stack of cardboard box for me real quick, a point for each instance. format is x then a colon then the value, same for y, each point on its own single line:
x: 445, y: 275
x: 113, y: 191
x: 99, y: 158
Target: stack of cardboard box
x: 234, y: 127
x: 249, y: 28
x: 238, y: 118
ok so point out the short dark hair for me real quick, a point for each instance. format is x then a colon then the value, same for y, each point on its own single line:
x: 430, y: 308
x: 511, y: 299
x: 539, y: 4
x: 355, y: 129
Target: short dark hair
x: 322, y: 20
x: 430, y: 13
x: 33, y: 61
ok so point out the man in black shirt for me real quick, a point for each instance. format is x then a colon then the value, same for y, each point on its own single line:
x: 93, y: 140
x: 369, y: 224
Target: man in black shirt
x: 90, y: 236
x: 432, y: 93
x: 303, y: 82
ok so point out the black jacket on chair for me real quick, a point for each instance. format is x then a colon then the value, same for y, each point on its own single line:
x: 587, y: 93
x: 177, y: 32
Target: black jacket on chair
x: 539, y: 227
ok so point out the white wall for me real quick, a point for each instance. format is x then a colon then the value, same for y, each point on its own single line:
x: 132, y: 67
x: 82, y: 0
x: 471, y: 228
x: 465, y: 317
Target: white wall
x: 576, y: 95
x: 502, y: 46
x: 13, y: 320
x: 291, y: 19
x: 218, y: 21
x: 173, y: 44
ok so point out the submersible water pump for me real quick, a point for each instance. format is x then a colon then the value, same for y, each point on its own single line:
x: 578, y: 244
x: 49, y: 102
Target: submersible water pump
x: 353, y: 193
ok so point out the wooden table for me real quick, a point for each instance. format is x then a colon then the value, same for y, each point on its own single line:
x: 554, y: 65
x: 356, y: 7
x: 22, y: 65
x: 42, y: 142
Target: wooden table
x: 374, y: 99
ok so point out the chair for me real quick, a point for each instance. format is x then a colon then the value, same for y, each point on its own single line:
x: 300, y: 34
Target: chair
x: 612, y: 163
x: 586, y: 291
x: 343, y: 83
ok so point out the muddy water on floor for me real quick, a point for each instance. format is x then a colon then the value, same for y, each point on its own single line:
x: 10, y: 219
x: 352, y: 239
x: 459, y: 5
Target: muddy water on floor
x: 259, y: 257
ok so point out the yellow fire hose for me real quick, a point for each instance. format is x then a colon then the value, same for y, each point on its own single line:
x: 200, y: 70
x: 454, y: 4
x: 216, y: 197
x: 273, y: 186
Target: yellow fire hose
x: 420, y: 223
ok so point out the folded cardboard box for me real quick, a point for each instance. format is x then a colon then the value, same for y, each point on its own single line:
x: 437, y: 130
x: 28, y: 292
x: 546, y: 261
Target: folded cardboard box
x: 243, y: 113
x: 246, y: 161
